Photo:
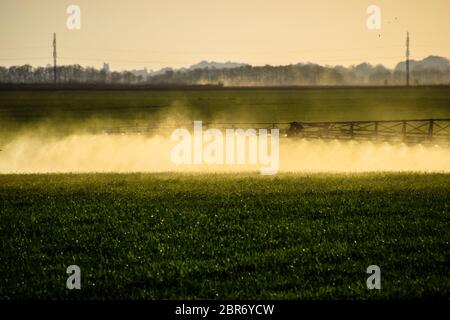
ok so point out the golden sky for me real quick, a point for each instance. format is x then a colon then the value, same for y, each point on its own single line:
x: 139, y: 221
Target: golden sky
x: 176, y: 33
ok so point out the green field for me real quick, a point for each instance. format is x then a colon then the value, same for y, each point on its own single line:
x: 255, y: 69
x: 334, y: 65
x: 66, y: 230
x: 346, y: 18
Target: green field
x: 19, y: 107
x: 68, y: 112
x: 146, y: 236
x: 224, y: 236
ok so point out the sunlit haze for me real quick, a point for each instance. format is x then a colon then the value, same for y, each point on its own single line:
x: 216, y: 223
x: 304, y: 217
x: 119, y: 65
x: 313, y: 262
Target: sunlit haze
x: 176, y: 33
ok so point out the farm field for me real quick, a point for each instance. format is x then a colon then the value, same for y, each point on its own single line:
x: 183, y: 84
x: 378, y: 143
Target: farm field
x: 59, y: 113
x: 218, y: 236
x: 224, y: 236
x: 201, y: 159
x: 265, y: 105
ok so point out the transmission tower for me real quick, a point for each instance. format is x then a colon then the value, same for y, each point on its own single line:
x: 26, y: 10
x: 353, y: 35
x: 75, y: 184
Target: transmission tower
x: 54, y: 57
x: 407, y: 59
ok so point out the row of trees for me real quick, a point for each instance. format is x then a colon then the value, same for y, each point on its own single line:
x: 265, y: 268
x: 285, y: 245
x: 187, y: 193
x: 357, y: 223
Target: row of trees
x: 66, y: 74
x: 300, y: 74
x: 303, y: 74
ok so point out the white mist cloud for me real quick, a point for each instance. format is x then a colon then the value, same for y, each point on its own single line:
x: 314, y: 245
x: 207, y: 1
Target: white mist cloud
x: 139, y: 153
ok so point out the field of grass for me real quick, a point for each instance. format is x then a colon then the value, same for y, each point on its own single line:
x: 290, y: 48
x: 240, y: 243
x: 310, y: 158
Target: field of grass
x: 145, y: 236
x: 67, y: 112
x: 253, y: 105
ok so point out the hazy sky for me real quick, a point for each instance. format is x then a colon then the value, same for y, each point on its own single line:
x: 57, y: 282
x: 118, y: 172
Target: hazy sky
x: 159, y: 33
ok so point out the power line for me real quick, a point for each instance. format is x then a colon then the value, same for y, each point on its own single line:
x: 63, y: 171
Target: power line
x: 322, y: 60
x: 25, y: 47
x: 155, y: 61
x: 185, y: 52
x: 29, y: 58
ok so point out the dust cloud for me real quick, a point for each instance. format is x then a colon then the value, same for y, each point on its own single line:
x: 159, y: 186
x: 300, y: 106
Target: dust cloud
x: 83, y: 153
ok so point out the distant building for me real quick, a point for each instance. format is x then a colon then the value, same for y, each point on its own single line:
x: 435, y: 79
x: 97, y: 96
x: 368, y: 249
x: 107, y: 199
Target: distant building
x: 105, y: 67
x: 142, y: 72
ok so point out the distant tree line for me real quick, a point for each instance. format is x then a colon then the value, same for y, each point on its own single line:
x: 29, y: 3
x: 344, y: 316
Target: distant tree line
x: 303, y: 75
x: 66, y: 74
x: 290, y: 75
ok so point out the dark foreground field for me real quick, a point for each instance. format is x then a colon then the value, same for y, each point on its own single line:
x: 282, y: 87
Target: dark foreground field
x: 63, y: 109
x: 145, y: 236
